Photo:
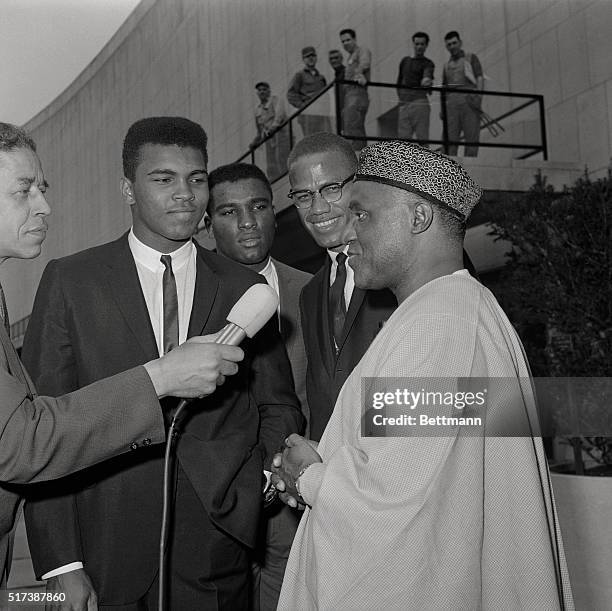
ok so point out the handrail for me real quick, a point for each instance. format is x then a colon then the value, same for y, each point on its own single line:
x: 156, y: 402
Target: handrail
x: 444, y: 142
x: 288, y: 121
x: 18, y: 328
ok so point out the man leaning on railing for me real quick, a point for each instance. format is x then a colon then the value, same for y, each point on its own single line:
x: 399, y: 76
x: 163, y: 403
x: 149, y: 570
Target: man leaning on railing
x: 462, y: 70
x: 270, y: 113
x: 413, y: 111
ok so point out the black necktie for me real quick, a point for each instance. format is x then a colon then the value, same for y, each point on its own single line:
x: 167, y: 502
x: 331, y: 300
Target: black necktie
x: 337, y: 303
x: 171, y: 333
x: 4, y: 318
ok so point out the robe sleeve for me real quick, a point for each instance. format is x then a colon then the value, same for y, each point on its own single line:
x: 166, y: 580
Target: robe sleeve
x: 368, y: 473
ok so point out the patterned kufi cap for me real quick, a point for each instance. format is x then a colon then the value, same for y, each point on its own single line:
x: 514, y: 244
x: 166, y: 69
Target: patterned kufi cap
x: 411, y: 167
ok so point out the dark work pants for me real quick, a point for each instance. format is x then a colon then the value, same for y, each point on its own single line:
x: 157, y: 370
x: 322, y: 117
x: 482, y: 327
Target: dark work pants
x: 463, y: 119
x: 356, y: 103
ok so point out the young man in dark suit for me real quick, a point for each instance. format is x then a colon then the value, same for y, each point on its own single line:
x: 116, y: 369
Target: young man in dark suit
x: 42, y: 438
x: 114, y: 306
x: 339, y: 321
x: 240, y: 218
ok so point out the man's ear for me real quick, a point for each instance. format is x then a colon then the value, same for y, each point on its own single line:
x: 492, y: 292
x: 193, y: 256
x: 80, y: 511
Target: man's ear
x: 127, y: 190
x: 422, y: 216
x: 208, y: 225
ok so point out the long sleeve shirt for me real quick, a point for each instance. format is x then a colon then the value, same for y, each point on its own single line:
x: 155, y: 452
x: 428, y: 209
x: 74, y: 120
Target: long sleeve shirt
x: 358, y: 63
x: 304, y: 86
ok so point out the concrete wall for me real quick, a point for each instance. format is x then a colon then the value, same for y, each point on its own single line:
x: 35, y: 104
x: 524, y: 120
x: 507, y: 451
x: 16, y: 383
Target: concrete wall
x: 201, y: 59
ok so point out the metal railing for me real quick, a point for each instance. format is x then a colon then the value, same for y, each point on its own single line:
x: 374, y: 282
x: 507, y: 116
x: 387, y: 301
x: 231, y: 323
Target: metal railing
x: 500, y: 106
x: 510, y: 125
x: 284, y: 136
x: 18, y: 329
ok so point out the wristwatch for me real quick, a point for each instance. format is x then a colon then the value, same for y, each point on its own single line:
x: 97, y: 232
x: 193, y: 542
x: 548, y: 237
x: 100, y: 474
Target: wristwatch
x: 297, y: 481
x: 270, y: 495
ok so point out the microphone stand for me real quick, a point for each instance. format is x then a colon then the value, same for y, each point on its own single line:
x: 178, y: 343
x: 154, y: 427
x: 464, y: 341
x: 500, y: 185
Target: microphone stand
x: 231, y: 334
x: 261, y: 300
x: 169, y: 463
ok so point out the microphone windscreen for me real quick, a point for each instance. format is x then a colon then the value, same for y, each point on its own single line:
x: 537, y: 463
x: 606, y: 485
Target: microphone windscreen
x: 253, y: 310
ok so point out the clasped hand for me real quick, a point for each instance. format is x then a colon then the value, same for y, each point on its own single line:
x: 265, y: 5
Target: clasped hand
x: 287, y: 465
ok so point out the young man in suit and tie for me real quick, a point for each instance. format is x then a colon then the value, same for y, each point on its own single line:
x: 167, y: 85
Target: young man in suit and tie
x: 339, y: 321
x: 240, y: 217
x: 41, y: 437
x: 114, y: 306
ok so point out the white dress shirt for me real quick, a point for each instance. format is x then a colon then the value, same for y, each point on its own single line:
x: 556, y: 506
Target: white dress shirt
x: 349, y: 285
x: 150, y: 273
x: 271, y: 275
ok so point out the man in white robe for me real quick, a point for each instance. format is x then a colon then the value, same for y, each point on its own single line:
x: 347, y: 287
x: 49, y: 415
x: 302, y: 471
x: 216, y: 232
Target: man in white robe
x: 450, y: 518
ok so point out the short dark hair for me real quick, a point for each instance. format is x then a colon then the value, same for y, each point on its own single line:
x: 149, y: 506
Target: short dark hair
x: 322, y: 142
x: 161, y: 130
x: 452, y: 34
x: 455, y: 227
x: 233, y: 172
x: 13, y: 138
x: 334, y: 51
x: 348, y: 31
x: 449, y: 219
x: 421, y: 35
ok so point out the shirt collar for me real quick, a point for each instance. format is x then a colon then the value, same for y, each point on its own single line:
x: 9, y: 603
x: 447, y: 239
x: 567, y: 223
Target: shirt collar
x: 459, y: 55
x: 267, y: 270
x: 150, y: 258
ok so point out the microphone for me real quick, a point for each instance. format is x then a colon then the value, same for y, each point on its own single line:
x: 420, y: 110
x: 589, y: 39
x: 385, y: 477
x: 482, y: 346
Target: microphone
x: 250, y: 313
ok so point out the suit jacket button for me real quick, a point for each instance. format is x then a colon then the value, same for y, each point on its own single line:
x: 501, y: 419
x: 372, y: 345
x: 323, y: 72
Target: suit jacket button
x: 133, y: 446
x: 146, y: 442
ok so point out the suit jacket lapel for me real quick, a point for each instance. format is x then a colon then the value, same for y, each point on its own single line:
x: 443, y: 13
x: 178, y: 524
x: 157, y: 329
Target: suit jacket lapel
x: 356, y: 300
x: 125, y: 288
x: 13, y: 363
x: 206, y: 287
x: 285, y: 294
x: 283, y: 290
x: 324, y: 332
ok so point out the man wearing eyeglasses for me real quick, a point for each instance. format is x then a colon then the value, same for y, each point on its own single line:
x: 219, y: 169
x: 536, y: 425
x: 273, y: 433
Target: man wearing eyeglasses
x: 304, y: 86
x: 339, y: 321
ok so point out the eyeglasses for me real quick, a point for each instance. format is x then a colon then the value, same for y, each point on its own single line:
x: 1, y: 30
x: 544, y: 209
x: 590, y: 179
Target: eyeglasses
x: 309, y: 55
x: 330, y: 193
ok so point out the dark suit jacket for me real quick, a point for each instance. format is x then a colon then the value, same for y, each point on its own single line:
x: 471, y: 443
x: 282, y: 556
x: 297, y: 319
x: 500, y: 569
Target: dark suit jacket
x: 291, y: 281
x: 326, y: 372
x: 90, y: 320
x: 43, y: 438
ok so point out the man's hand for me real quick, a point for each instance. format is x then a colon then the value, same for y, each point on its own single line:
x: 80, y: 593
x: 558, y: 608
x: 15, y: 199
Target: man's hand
x: 474, y: 100
x: 361, y: 80
x: 195, y: 368
x: 298, y: 454
x: 79, y: 591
